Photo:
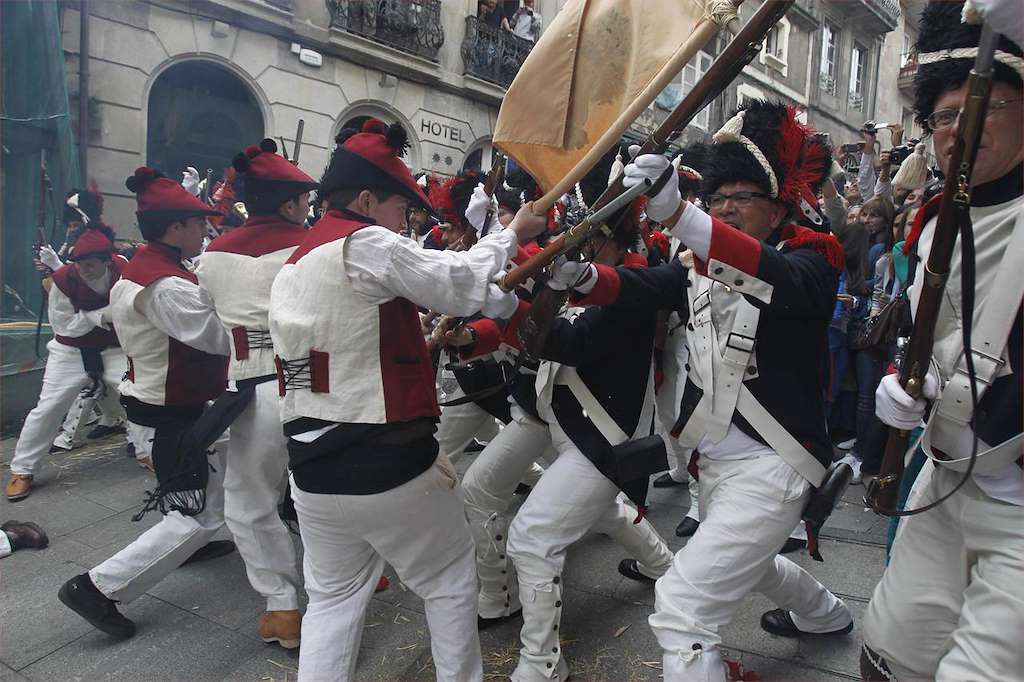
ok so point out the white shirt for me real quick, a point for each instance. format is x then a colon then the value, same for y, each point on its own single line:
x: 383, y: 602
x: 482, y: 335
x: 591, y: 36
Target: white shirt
x: 185, y: 312
x: 383, y: 265
x: 66, y: 321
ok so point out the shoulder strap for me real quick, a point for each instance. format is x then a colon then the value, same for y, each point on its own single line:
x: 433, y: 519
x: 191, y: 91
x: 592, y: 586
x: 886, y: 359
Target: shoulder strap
x: 990, y: 332
x: 599, y: 416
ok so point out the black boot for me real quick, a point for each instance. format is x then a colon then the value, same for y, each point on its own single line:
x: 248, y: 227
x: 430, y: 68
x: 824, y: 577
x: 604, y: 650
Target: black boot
x: 792, y: 545
x: 82, y: 597
x: 779, y: 622
x: 211, y: 550
x: 629, y: 569
x: 484, y: 623
x: 102, y: 431
x: 687, y: 527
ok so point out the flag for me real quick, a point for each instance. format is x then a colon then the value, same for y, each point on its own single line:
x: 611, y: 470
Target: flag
x: 596, y: 68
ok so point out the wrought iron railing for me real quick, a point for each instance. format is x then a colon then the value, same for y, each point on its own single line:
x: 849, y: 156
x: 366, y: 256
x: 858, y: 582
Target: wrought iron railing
x: 887, y: 10
x: 908, y: 68
x: 493, y: 54
x: 412, y: 26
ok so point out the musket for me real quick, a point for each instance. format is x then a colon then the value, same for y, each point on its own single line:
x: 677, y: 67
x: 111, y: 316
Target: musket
x: 726, y: 68
x: 953, y: 220
x: 298, y: 142
x: 206, y: 186
x: 495, y: 178
x: 45, y: 196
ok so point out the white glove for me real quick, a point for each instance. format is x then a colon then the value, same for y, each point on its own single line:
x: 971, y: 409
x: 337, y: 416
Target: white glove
x: 650, y: 167
x: 49, y: 258
x: 567, y: 274
x: 895, y: 407
x: 479, y: 203
x: 190, y: 181
x: 500, y: 304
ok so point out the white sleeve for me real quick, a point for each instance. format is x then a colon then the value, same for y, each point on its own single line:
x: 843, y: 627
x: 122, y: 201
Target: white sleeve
x: 694, y: 230
x: 382, y: 265
x: 65, y: 321
x: 185, y: 312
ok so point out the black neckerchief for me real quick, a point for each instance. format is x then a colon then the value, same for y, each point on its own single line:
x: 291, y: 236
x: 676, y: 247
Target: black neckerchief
x: 1000, y: 190
x: 355, y: 216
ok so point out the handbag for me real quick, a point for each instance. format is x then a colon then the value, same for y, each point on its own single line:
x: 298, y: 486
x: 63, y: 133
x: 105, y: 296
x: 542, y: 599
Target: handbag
x: 878, y: 333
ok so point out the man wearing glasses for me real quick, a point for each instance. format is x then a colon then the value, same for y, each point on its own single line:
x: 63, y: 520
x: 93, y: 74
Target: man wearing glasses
x: 756, y: 296
x: 950, y: 604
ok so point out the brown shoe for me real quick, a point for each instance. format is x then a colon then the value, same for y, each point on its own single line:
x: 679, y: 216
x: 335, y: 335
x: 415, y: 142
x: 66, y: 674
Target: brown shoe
x: 19, y: 487
x: 146, y: 463
x: 282, y: 627
x: 24, y: 535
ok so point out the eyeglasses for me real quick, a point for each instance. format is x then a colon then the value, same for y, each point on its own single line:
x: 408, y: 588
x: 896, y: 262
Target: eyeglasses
x: 943, y: 118
x: 741, y: 199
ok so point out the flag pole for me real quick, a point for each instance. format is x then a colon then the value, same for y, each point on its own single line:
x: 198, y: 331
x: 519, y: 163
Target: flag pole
x: 726, y: 67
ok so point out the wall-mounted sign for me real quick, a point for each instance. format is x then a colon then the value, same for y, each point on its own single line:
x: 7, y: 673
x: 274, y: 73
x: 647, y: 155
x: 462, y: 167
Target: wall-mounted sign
x: 441, y: 129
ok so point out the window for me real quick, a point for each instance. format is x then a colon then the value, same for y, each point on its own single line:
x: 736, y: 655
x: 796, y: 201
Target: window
x: 776, y: 47
x: 829, y: 50
x: 858, y: 64
x: 200, y: 115
x: 674, y: 93
x: 746, y: 93
x: 908, y: 124
x: 692, y: 73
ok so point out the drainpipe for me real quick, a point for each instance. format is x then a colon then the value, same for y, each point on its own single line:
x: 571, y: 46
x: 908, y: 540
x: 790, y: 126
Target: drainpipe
x: 83, y: 89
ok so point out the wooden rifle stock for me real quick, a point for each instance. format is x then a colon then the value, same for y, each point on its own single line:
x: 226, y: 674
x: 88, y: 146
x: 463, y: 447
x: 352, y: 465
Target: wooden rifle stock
x: 723, y: 71
x: 883, y: 492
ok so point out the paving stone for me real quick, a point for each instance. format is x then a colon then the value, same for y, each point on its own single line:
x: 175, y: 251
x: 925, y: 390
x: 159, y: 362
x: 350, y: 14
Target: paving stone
x: 34, y: 622
x: 848, y: 569
x: 120, y: 484
x: 170, y: 644
x: 115, y: 531
x: 59, y: 511
x: 10, y: 675
x: 771, y: 669
x: 217, y: 590
x: 592, y: 565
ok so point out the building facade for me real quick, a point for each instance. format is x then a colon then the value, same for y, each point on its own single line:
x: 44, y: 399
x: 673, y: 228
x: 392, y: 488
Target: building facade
x: 179, y: 83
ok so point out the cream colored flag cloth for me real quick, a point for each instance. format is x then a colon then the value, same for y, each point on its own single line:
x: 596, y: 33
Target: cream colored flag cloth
x: 596, y: 68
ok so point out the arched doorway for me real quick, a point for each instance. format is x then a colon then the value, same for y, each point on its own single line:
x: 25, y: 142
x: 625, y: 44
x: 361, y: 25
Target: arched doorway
x: 200, y: 115
x: 357, y: 114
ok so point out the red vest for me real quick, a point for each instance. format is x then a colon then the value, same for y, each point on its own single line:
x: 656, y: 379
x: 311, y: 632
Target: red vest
x: 192, y: 375
x: 69, y: 280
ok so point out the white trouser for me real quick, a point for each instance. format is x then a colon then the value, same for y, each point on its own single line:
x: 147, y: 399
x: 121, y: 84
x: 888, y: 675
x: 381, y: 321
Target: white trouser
x: 571, y: 499
x: 460, y: 424
x: 489, y: 485
x: 163, y: 548
x: 63, y: 378
x: 110, y: 414
x: 5, y: 545
x: 749, y: 507
x: 420, y: 529
x: 255, y: 480
x: 950, y: 605
x: 668, y: 399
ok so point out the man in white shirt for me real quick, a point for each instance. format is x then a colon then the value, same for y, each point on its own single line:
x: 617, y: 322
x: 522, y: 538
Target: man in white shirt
x: 360, y: 408
x: 177, y: 361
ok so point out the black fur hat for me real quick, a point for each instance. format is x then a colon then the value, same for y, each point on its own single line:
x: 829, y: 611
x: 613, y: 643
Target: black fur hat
x: 798, y: 159
x: 941, y: 28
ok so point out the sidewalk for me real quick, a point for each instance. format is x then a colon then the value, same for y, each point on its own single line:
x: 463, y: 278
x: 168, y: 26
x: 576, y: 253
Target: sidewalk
x: 200, y: 623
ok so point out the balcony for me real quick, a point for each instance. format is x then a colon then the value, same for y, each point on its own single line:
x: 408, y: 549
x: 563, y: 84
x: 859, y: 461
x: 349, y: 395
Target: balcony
x: 411, y: 26
x: 886, y: 12
x: 856, y: 100
x: 905, y: 81
x: 492, y: 54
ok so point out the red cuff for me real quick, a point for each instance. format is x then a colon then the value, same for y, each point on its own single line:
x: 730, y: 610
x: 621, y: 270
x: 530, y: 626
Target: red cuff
x: 730, y: 245
x: 606, y: 291
x: 488, y: 338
